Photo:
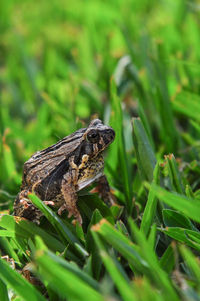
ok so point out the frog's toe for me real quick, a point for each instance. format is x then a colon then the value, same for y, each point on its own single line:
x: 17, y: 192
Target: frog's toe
x: 79, y: 219
x: 61, y: 209
x: 71, y: 212
x: 49, y: 203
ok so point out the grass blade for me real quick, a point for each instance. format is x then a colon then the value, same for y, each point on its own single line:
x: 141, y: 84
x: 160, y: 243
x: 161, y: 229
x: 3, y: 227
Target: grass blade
x: 174, y: 174
x: 22, y: 287
x: 173, y: 218
x: 116, y: 271
x: 117, y: 124
x: 167, y: 261
x: 150, y: 208
x: 3, y: 291
x: 189, y: 207
x: 162, y: 281
x: 25, y: 229
x: 188, y: 104
x: 189, y: 237
x: 144, y: 153
x: 62, y: 229
x: 191, y: 262
x: 62, y: 280
x: 122, y: 244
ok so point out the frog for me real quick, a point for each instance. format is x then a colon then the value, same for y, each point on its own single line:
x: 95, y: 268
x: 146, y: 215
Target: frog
x: 57, y: 173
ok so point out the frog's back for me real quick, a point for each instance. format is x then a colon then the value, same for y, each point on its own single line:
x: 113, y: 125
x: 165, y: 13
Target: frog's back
x: 44, y: 162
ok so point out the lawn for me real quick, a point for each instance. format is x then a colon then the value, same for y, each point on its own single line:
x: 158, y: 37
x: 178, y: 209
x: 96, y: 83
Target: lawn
x: 134, y: 64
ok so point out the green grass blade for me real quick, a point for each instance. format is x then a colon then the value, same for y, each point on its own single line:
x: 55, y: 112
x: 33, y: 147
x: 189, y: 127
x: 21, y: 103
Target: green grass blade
x: 152, y: 236
x: 9, y: 164
x: 116, y: 271
x: 62, y: 229
x: 144, y: 153
x: 187, y: 104
x: 3, y: 291
x: 163, y: 281
x: 26, y: 229
x: 164, y: 108
x: 145, y: 123
x: 173, y: 218
x: 62, y: 280
x: 150, y: 208
x: 195, y: 125
x: 189, y: 207
x: 189, y: 237
x: 96, y: 261
x: 174, y: 174
x: 191, y: 261
x: 167, y: 261
x: 7, y: 248
x: 122, y: 244
x: 188, y: 191
x: 75, y: 270
x: 22, y: 287
x: 117, y: 124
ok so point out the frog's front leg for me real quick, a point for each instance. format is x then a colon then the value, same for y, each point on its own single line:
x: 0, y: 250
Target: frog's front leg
x: 68, y: 190
x: 70, y: 196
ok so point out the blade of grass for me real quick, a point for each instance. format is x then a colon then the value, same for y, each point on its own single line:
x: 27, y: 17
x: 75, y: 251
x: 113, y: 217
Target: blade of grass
x: 122, y: 244
x: 7, y: 248
x: 163, y: 282
x: 191, y: 261
x: 167, y: 261
x: 189, y: 207
x: 3, y: 291
x: 150, y: 208
x: 26, y: 229
x: 173, y: 218
x: 92, y: 247
x: 117, y: 124
x: 22, y: 287
x: 9, y: 163
x: 152, y: 236
x: 116, y: 271
x: 62, y: 229
x: 195, y: 125
x: 144, y: 153
x: 189, y: 237
x: 174, y: 174
x: 188, y: 191
x: 168, y: 130
x: 188, y: 104
x: 61, y: 279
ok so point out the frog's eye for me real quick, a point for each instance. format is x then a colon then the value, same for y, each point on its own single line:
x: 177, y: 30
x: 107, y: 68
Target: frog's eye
x: 93, y: 136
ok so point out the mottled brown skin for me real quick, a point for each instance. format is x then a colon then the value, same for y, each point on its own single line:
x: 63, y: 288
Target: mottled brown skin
x: 58, y: 172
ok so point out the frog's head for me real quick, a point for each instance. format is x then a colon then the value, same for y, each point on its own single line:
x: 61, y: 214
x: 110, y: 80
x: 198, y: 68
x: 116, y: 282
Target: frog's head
x: 98, y: 136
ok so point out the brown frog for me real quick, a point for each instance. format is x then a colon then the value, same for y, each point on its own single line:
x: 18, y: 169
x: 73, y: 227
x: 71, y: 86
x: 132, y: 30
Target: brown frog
x: 58, y: 172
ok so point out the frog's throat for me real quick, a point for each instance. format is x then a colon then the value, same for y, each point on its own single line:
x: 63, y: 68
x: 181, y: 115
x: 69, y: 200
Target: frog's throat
x: 86, y: 182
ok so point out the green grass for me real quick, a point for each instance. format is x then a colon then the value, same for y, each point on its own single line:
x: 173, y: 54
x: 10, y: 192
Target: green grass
x: 136, y: 65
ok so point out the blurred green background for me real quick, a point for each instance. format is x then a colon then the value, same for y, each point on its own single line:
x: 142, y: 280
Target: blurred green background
x: 58, y: 60
x: 65, y: 62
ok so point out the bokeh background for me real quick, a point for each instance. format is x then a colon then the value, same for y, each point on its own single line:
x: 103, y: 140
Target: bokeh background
x: 58, y: 58
x: 58, y: 61
x: 63, y: 63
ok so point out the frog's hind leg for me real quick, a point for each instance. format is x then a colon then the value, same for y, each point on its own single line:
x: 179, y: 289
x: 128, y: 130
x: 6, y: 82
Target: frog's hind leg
x: 104, y: 191
x: 23, y: 207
